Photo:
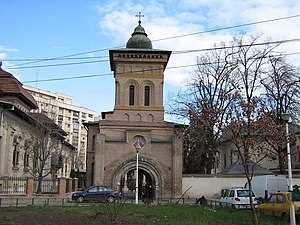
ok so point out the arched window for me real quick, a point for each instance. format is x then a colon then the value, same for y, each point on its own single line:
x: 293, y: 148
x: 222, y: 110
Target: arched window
x: 93, y: 143
x: 131, y: 95
x: 117, y: 98
x: 16, y: 155
x: 147, y: 96
x: 16, y: 151
x: 26, y: 157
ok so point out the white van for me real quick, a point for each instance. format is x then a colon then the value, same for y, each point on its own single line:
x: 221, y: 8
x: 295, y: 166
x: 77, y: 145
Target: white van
x: 264, y: 186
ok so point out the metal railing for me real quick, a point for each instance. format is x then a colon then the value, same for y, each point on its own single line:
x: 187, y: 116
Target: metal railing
x: 48, y: 186
x: 13, y: 185
x: 8, y: 202
x: 51, y: 201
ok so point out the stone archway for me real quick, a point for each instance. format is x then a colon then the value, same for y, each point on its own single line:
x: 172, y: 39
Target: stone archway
x: 150, y: 178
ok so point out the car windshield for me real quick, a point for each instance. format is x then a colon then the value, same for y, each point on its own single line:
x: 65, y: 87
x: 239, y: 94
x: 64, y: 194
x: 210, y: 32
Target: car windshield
x: 243, y: 193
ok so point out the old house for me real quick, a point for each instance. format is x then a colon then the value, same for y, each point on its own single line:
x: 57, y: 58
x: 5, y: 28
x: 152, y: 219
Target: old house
x: 29, y: 142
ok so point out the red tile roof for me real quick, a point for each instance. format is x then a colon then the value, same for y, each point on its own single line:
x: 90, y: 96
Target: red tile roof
x: 10, y: 86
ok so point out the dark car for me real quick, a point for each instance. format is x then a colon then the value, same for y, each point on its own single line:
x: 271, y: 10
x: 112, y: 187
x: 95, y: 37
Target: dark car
x: 96, y: 194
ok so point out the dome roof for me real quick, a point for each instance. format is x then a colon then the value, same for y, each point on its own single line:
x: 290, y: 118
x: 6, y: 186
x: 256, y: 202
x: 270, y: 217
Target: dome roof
x: 139, y: 39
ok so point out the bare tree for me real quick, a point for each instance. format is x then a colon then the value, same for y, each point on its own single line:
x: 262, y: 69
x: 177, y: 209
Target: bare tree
x: 205, y: 104
x: 43, y: 150
x: 247, y: 135
x: 250, y: 120
x: 281, y: 95
x: 224, y: 99
x: 43, y: 156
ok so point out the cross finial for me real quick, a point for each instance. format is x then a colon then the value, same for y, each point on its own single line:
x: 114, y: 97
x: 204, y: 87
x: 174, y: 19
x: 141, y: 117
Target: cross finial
x: 139, y: 16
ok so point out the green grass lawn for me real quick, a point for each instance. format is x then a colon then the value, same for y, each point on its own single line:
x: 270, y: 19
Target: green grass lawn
x: 131, y: 214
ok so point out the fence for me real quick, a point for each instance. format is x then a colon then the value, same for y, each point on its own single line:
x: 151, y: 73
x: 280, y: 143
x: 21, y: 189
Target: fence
x: 13, y: 185
x: 40, y: 201
x: 7, y: 202
x: 47, y: 186
x: 28, y: 186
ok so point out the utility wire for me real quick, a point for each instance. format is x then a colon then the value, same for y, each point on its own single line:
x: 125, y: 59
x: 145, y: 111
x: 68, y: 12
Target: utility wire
x: 110, y: 74
x: 71, y: 58
x: 63, y: 57
x: 230, y: 27
x: 168, y: 38
x: 237, y: 46
x: 174, y: 52
x: 68, y: 78
x: 52, y: 65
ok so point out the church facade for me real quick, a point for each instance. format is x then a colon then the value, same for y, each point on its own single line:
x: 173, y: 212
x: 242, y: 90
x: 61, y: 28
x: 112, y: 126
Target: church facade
x: 137, y: 125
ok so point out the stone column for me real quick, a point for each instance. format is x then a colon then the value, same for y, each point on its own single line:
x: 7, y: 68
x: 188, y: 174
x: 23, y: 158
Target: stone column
x: 177, y: 166
x: 69, y: 182
x: 29, y: 186
x: 62, y: 186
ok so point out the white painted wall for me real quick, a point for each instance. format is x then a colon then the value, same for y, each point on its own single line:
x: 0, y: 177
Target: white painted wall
x: 210, y: 186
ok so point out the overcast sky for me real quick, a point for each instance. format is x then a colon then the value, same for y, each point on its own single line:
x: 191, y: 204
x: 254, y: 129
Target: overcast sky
x: 46, y: 33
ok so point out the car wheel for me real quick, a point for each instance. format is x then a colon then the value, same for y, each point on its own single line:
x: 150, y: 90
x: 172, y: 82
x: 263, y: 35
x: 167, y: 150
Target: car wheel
x: 80, y: 199
x: 110, y: 199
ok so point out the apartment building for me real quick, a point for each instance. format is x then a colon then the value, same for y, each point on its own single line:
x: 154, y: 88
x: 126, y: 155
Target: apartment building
x: 69, y: 117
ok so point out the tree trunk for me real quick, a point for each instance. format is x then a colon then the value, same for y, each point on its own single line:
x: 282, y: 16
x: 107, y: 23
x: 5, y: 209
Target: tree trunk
x: 39, y: 187
x: 253, y: 209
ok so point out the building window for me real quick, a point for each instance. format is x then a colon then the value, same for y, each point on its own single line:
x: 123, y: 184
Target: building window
x: 66, y: 170
x: 93, y: 143
x: 16, y: 155
x: 26, y: 158
x: 147, y: 96
x: 131, y: 95
x: 35, y: 162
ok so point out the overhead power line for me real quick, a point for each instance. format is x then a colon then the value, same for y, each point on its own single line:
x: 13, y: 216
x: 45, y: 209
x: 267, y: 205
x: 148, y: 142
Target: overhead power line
x: 229, y: 27
x: 237, y: 46
x: 110, y: 74
x: 71, y: 58
x: 68, y: 78
x: 168, y: 38
x: 174, y: 52
x: 60, y: 64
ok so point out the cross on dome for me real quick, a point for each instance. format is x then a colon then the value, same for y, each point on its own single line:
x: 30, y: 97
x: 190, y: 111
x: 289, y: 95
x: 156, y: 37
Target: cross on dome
x: 139, y: 16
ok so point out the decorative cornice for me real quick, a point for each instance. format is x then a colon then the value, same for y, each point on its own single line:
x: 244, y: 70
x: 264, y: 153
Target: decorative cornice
x: 139, y: 108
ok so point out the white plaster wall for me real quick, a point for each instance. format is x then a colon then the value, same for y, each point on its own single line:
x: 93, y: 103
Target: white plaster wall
x: 211, y: 186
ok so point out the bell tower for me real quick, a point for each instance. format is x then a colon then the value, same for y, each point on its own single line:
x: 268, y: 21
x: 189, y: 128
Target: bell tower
x: 137, y: 122
x: 139, y: 78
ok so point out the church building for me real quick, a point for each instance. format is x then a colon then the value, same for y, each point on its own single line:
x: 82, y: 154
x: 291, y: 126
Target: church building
x: 136, y: 125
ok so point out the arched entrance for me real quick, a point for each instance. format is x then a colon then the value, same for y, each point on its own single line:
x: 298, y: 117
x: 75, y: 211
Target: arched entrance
x: 146, y: 186
x: 150, y: 179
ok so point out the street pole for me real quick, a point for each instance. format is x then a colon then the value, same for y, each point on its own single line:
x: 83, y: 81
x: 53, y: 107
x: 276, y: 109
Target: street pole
x: 287, y: 118
x: 137, y: 179
x: 138, y: 143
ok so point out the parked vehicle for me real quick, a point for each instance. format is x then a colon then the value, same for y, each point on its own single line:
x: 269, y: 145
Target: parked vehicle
x: 279, y: 205
x: 264, y: 186
x: 238, y: 198
x: 96, y: 193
